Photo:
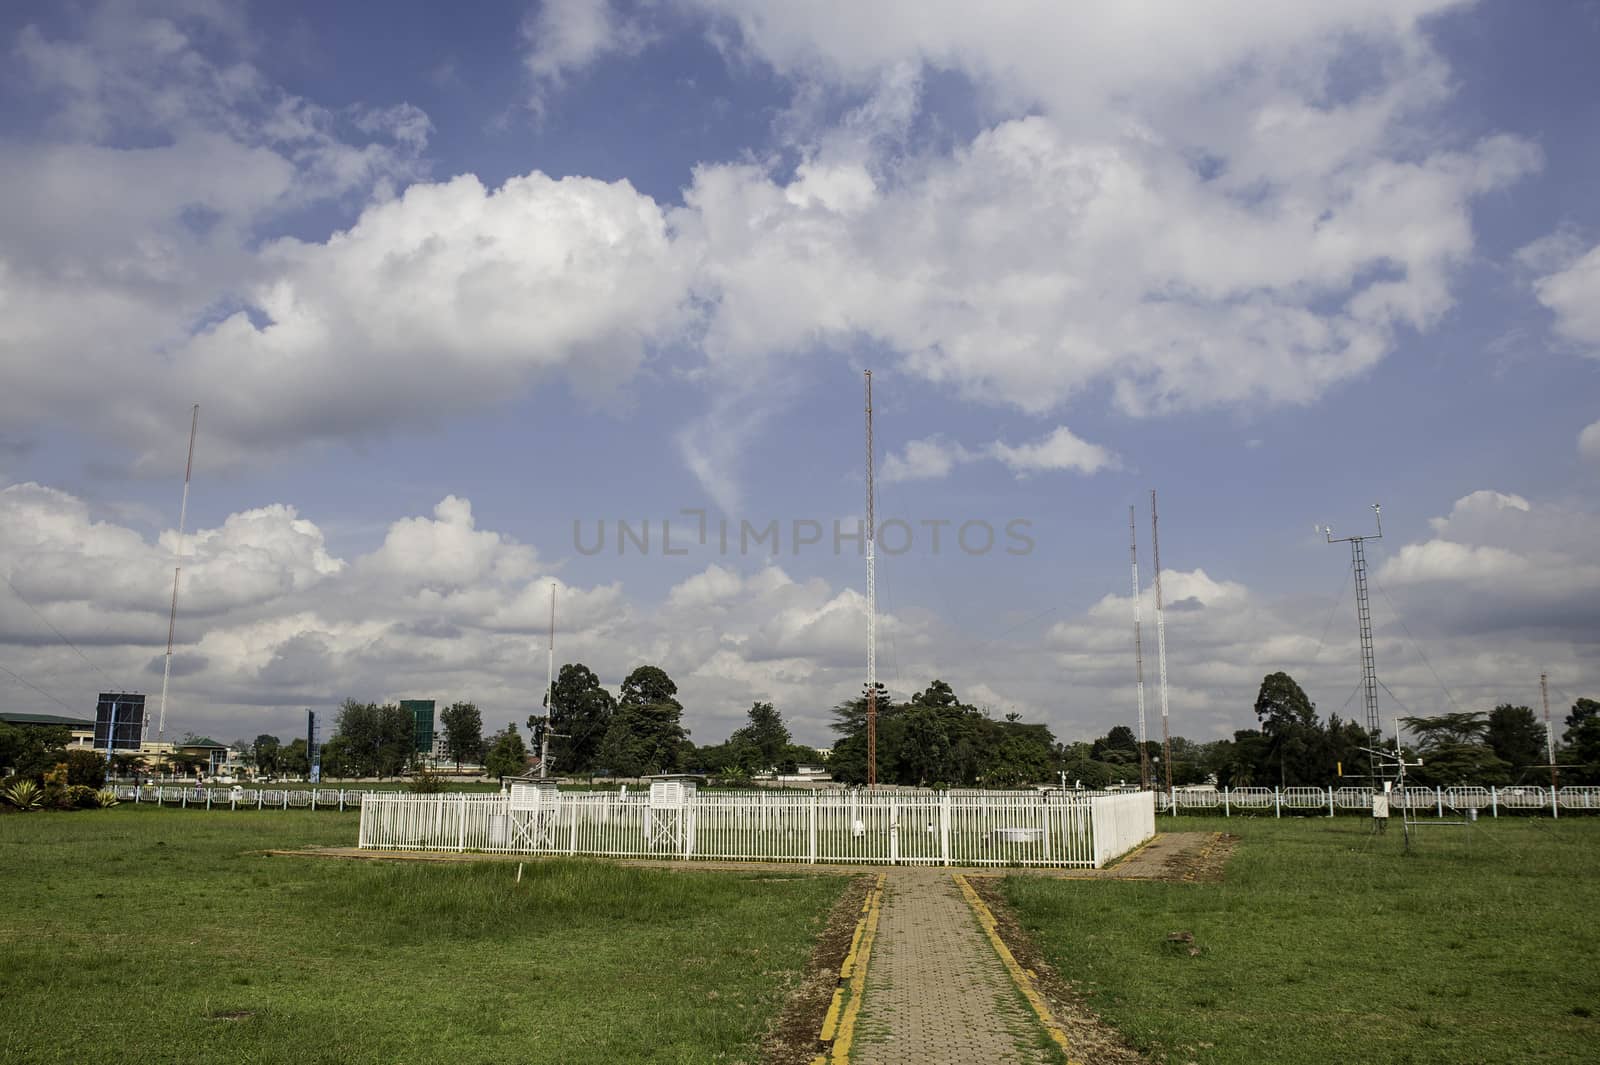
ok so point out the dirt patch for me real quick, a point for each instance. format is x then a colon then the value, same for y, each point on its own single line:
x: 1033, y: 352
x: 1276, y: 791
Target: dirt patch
x: 792, y: 1039
x: 1203, y: 864
x: 1092, y: 1041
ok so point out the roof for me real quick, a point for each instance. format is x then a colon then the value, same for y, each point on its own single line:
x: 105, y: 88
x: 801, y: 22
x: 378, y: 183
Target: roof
x: 203, y: 741
x: 47, y: 719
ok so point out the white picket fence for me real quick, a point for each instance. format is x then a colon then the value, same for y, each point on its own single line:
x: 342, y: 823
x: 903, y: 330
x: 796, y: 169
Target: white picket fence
x: 878, y: 828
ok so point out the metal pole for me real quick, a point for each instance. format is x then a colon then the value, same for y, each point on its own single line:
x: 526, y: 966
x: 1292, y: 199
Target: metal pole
x: 177, y: 569
x: 872, y: 608
x: 549, y: 690
x: 1138, y: 649
x: 1161, y: 655
x: 1549, y: 732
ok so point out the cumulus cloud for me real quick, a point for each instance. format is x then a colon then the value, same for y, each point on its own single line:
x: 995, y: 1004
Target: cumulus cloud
x: 442, y: 608
x: 1500, y: 562
x: 934, y: 457
x: 500, y: 286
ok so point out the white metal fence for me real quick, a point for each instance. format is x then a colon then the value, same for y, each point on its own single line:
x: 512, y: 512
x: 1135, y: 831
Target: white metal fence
x: 1440, y: 802
x: 894, y: 828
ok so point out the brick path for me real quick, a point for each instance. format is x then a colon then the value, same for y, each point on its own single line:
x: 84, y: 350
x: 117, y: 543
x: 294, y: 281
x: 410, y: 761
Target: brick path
x: 936, y: 992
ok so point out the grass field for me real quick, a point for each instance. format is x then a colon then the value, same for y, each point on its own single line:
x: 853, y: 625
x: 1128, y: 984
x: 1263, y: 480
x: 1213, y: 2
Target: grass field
x: 1325, y: 944
x: 146, y: 935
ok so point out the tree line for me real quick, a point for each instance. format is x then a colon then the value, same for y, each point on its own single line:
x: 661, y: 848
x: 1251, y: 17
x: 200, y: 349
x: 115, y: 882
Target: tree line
x: 1294, y: 747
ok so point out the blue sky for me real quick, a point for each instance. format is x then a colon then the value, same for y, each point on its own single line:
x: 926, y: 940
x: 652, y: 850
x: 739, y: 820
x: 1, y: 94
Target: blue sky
x: 570, y: 261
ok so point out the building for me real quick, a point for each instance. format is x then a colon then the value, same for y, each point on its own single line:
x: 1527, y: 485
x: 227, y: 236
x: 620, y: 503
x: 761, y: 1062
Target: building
x: 80, y: 730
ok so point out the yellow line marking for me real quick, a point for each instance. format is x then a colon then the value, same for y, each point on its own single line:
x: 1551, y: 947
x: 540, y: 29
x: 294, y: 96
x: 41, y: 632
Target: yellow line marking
x: 1129, y: 855
x: 1019, y: 976
x: 838, y: 1027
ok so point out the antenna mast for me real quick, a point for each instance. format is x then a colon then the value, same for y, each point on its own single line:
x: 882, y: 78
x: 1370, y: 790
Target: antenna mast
x: 177, y: 569
x: 1369, y: 669
x: 1138, y: 650
x: 1549, y: 733
x: 872, y: 610
x: 549, y: 690
x: 1161, y: 653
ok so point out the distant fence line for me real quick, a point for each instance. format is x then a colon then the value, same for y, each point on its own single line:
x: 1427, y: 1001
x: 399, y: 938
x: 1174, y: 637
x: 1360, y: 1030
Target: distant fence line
x: 1437, y: 801
x: 1571, y: 799
x: 854, y: 826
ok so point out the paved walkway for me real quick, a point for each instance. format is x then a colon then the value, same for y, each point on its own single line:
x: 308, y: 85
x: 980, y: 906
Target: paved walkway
x: 936, y: 992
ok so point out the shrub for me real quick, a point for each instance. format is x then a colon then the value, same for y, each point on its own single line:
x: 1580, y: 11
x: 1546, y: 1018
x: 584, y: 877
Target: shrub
x: 24, y: 795
x: 424, y: 782
x: 87, y: 768
x: 81, y: 797
x: 106, y: 798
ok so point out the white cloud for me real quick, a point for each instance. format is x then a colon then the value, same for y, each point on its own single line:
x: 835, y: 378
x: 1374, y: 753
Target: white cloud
x: 1589, y: 442
x: 565, y: 36
x: 1571, y: 291
x: 1061, y: 450
x: 934, y: 457
x: 444, y: 609
x: 923, y: 460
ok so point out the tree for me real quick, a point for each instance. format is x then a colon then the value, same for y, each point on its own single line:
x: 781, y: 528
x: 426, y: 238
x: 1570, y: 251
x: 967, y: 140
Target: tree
x: 265, y: 751
x: 1295, y: 740
x: 463, y: 732
x: 1583, y: 739
x: 1454, y: 752
x: 761, y: 743
x: 379, y: 740
x: 295, y: 759
x: 1447, y: 730
x: 646, y: 733
x: 1117, y: 747
x: 507, y: 755
x: 32, y: 750
x: 1517, y: 738
x: 580, y: 715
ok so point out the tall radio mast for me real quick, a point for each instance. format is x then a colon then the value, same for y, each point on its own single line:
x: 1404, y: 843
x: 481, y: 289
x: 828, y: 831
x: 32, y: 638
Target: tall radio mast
x: 872, y: 610
x: 1161, y: 650
x: 1138, y: 650
x: 177, y: 569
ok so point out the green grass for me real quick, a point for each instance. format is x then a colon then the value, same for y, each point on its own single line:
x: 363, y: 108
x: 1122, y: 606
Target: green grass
x: 133, y: 934
x: 1325, y: 944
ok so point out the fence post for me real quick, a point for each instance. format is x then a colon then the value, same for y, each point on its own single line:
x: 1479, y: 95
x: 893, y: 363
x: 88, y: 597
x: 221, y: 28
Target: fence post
x: 1330, y: 800
x: 208, y: 798
x: 1438, y: 798
x: 894, y: 831
x: 260, y: 797
x: 572, y: 840
x: 313, y: 798
x: 285, y: 798
x: 341, y: 800
x: 944, y: 827
x: 811, y: 828
x: 1494, y: 801
x: 1277, y: 802
x: 183, y: 799
x: 1555, y: 810
x: 461, y: 824
x: 1226, y: 812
